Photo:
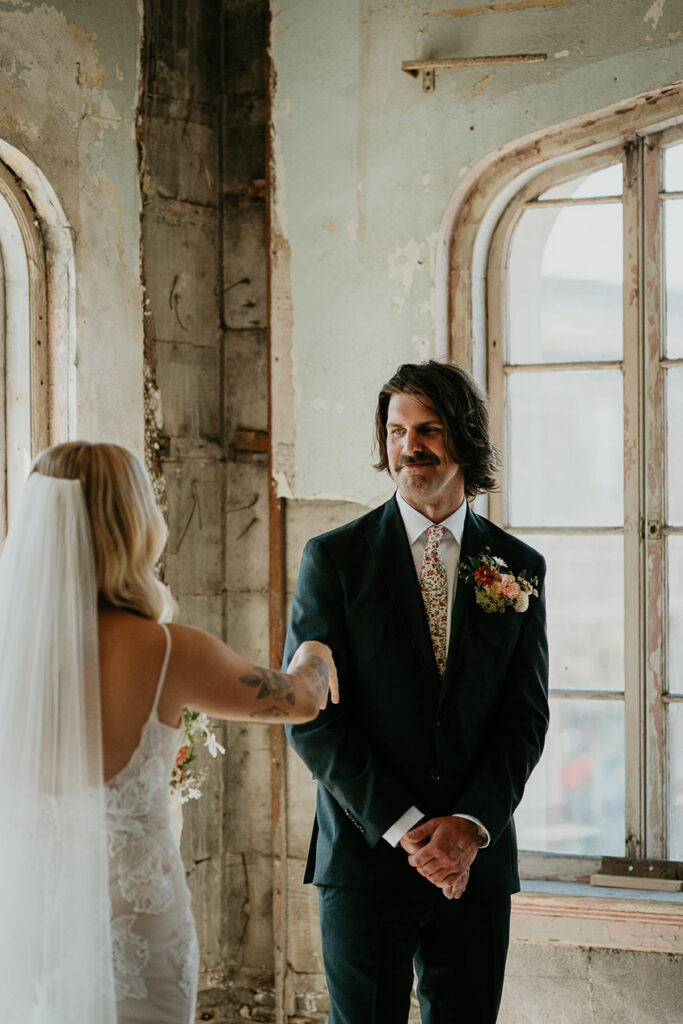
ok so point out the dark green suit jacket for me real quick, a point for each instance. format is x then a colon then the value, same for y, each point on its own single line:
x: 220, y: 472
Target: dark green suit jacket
x: 401, y: 736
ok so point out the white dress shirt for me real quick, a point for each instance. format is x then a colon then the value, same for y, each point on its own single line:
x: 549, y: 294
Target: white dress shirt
x: 416, y: 525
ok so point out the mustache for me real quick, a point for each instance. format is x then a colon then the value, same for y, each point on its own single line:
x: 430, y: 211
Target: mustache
x: 427, y: 459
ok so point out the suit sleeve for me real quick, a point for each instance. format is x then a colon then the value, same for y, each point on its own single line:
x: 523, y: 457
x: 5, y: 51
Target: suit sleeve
x: 333, y: 746
x: 515, y: 744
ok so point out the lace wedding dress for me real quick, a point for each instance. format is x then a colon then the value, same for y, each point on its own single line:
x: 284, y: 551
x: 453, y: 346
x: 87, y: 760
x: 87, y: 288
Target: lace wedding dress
x: 154, y: 942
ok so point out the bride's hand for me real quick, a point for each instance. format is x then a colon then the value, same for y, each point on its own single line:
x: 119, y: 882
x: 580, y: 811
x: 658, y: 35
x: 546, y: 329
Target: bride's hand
x: 308, y: 657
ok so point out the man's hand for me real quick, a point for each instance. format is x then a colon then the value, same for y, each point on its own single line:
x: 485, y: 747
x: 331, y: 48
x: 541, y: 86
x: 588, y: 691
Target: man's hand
x: 454, y: 886
x: 441, y: 848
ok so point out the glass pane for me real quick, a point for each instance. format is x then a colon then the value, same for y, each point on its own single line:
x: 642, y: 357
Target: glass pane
x: 565, y: 458
x: 674, y: 446
x: 673, y: 169
x: 607, y: 182
x: 566, y: 284
x: 676, y: 782
x: 574, y: 801
x: 585, y: 602
x: 673, y: 254
x: 675, y: 602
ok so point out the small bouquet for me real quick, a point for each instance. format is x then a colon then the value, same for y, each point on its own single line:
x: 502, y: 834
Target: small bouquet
x: 495, y: 588
x: 187, y: 778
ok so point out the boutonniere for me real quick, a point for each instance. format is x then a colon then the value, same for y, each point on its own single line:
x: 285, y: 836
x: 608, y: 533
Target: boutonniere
x: 495, y: 587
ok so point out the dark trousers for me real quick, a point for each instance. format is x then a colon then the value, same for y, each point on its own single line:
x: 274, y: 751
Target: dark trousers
x: 371, y: 940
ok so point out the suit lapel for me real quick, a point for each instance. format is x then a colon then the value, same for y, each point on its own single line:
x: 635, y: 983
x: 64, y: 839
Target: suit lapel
x: 391, y: 548
x: 473, y: 542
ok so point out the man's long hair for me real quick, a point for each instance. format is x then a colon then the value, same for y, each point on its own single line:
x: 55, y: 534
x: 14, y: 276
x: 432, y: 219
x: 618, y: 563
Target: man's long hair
x: 456, y: 398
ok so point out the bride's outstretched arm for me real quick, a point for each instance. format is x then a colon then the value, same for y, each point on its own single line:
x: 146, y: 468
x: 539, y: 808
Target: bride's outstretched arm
x: 208, y: 675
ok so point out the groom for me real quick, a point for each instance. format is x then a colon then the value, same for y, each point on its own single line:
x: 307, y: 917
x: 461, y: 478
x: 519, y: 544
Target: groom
x: 443, y: 682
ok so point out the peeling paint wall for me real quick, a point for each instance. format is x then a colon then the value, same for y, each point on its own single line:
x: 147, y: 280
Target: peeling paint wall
x: 69, y: 80
x: 365, y: 163
x: 204, y: 236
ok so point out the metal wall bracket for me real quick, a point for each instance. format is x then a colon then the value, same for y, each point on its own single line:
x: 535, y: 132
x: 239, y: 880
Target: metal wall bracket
x: 429, y: 67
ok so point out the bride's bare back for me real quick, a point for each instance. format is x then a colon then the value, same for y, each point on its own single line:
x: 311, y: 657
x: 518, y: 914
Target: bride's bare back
x: 203, y: 673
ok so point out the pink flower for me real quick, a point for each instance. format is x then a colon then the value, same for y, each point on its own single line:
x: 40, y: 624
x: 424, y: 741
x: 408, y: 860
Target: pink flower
x: 509, y: 587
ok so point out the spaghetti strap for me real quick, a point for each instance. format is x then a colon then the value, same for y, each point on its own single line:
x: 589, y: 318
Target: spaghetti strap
x: 164, y: 667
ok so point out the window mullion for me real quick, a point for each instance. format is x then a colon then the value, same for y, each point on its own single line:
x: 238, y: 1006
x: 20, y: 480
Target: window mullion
x: 653, y: 560
x: 634, y: 739
x: 497, y: 334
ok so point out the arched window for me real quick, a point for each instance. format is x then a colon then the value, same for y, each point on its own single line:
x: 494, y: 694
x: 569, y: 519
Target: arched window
x: 576, y: 306
x: 36, y: 322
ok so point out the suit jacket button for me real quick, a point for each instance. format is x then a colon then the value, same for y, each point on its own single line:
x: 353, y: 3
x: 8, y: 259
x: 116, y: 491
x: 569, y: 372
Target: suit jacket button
x: 436, y: 775
x: 441, y: 721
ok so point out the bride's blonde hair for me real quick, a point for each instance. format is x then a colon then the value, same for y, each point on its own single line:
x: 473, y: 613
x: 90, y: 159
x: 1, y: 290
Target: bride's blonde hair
x: 128, y: 530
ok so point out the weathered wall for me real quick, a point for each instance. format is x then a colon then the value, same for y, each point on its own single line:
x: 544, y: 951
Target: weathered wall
x: 69, y: 80
x: 203, y: 135
x: 180, y: 145
x: 249, y: 963
x: 364, y: 166
x: 590, y: 986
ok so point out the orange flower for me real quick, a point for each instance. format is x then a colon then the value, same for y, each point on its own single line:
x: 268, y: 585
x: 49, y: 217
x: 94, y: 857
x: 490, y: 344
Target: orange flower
x: 484, y: 576
x: 182, y: 756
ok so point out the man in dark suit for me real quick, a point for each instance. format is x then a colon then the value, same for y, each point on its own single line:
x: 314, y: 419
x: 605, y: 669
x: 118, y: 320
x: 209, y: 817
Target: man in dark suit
x: 443, y: 713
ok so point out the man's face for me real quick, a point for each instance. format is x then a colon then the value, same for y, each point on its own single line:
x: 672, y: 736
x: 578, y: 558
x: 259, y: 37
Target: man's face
x: 419, y: 463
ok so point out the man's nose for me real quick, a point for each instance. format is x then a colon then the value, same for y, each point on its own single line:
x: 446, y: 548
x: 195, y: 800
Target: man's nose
x: 412, y: 441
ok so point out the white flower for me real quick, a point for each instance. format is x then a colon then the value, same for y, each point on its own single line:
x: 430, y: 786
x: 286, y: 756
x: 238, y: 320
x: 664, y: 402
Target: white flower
x: 500, y: 563
x: 201, y: 723
x: 212, y: 743
x: 522, y: 602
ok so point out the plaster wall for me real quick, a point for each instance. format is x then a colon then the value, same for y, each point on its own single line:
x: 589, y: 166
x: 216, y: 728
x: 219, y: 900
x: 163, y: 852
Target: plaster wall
x: 365, y: 163
x: 69, y: 80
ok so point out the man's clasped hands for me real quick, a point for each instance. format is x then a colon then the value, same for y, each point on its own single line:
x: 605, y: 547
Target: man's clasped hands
x: 442, y: 850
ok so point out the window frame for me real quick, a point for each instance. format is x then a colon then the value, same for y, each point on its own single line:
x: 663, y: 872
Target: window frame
x: 644, y: 531
x: 41, y: 313
x: 24, y: 360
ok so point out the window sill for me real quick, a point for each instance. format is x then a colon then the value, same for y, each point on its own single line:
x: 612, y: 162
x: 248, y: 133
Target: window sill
x: 575, y: 914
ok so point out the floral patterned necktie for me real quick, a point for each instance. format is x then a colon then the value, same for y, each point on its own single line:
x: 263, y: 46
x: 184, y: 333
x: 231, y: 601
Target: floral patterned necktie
x: 434, y: 587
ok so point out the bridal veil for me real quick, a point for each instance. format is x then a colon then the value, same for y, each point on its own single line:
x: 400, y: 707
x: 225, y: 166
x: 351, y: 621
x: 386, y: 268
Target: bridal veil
x: 55, y: 942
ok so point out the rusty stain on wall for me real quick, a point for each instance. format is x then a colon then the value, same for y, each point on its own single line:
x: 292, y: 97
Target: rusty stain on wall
x: 481, y: 86
x: 506, y: 6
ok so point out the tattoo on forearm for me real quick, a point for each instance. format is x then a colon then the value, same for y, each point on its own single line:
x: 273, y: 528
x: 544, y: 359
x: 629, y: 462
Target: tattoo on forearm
x: 315, y: 670
x: 272, y: 684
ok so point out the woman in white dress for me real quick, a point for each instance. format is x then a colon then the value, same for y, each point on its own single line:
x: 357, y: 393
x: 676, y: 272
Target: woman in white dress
x: 92, y: 687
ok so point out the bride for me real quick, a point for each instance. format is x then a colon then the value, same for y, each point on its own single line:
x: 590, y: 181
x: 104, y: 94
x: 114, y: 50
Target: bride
x: 97, y: 926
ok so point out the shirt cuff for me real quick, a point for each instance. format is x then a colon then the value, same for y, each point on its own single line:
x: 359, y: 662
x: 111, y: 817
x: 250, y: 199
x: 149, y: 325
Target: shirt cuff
x: 480, y: 824
x: 396, y: 832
